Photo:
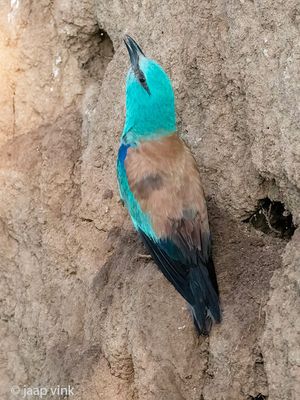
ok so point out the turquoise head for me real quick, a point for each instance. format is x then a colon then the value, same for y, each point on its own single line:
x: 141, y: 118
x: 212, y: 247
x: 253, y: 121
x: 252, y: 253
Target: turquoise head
x: 150, y: 105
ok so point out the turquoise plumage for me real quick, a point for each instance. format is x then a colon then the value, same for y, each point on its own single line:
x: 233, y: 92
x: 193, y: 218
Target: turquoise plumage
x: 160, y: 185
x: 147, y: 117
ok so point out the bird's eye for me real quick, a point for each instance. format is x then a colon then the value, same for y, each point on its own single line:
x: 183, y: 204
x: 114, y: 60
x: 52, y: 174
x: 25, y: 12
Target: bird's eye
x: 142, y: 80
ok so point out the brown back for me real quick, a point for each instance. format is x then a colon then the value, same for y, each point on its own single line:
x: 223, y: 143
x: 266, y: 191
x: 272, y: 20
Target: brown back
x: 165, y: 180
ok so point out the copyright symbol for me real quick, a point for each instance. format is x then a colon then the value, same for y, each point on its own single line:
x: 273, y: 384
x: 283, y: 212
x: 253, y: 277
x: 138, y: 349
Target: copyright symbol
x: 15, y: 390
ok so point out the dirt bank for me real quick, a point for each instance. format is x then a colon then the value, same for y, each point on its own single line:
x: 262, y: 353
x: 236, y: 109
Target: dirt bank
x: 78, y: 304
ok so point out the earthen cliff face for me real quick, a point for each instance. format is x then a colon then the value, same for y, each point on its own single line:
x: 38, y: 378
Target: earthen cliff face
x: 78, y: 305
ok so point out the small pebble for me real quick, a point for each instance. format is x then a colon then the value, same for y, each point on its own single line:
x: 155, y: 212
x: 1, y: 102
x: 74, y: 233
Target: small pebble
x: 108, y: 194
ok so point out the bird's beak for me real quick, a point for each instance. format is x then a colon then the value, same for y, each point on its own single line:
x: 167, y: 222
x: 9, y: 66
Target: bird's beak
x: 134, y: 51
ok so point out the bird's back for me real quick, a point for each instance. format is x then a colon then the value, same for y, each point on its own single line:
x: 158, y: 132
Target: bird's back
x: 160, y: 184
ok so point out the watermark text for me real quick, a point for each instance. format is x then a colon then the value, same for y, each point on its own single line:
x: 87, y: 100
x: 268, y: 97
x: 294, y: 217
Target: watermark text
x: 26, y: 392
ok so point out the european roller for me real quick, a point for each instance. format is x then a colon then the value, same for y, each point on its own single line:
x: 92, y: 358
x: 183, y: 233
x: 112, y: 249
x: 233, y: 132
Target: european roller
x: 160, y: 185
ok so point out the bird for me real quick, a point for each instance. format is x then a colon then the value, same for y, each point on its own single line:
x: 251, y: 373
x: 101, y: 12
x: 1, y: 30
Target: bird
x: 159, y: 183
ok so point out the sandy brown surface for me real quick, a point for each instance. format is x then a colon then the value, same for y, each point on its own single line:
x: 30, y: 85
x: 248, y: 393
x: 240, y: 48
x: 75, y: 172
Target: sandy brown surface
x: 78, y: 305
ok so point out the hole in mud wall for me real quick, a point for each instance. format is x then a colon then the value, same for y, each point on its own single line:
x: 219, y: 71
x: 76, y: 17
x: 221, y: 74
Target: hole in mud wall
x: 258, y: 397
x: 273, y: 218
x: 93, y: 50
x: 100, y: 53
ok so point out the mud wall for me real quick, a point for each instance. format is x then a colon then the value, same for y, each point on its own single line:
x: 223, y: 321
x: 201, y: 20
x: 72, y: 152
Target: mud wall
x: 78, y: 304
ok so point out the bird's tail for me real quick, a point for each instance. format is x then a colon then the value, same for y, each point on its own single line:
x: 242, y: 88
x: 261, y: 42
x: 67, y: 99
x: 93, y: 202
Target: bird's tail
x: 205, y: 307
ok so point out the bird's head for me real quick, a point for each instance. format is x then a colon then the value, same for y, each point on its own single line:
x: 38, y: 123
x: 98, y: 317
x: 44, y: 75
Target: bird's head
x: 150, y: 108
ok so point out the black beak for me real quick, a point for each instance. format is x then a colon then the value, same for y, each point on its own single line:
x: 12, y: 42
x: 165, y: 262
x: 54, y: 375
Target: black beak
x: 134, y: 51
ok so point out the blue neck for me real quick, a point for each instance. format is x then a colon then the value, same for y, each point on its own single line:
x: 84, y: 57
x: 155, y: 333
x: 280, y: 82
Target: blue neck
x: 143, y: 124
x: 149, y: 115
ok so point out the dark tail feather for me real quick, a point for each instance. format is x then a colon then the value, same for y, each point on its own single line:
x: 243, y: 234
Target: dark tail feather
x: 206, y: 307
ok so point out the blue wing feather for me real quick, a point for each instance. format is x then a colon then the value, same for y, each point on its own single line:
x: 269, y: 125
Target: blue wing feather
x: 193, y: 281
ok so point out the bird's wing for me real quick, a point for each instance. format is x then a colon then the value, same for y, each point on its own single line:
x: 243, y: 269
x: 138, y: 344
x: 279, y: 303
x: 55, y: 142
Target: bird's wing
x: 164, y: 179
